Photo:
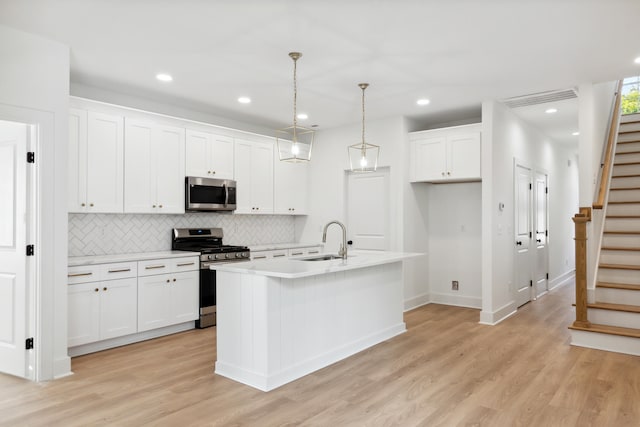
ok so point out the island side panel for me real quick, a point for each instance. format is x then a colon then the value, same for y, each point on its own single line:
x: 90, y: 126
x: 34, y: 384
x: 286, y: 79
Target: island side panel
x: 283, y: 329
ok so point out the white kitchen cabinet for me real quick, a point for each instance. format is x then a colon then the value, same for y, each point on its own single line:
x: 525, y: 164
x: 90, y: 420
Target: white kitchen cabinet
x: 170, y: 297
x: 446, y: 155
x: 209, y: 155
x: 290, y: 188
x: 253, y: 167
x: 102, y: 302
x: 154, y: 168
x: 95, y: 162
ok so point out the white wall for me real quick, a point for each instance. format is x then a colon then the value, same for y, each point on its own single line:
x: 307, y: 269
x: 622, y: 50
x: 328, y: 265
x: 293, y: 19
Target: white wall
x: 34, y: 88
x: 506, y: 137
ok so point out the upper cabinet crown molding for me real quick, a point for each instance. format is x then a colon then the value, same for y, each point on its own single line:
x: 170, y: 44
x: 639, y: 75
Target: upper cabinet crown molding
x: 446, y: 154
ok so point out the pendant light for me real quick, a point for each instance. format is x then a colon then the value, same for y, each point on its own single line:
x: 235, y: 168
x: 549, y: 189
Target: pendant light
x: 363, y: 157
x: 295, y: 142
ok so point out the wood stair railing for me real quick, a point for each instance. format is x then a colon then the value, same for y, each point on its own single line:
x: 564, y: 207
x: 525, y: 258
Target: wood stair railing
x: 580, y: 220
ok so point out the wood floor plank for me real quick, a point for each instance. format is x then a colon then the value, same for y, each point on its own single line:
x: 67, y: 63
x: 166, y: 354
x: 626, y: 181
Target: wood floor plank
x: 446, y: 370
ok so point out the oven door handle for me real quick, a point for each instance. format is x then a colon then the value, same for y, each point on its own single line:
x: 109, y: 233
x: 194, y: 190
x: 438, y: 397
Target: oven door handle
x: 226, y: 194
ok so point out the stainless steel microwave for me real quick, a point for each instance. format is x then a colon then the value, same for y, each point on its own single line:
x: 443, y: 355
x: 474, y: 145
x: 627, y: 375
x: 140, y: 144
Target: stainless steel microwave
x: 209, y: 194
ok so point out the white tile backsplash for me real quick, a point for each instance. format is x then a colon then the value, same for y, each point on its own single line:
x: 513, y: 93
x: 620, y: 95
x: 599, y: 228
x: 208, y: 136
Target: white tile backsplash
x: 105, y: 234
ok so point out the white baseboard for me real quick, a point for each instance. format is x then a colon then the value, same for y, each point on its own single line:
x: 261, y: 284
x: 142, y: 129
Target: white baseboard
x: 562, y: 279
x: 129, y: 339
x: 62, y: 367
x: 598, y: 341
x: 495, y: 317
x: 417, y: 301
x: 456, y: 300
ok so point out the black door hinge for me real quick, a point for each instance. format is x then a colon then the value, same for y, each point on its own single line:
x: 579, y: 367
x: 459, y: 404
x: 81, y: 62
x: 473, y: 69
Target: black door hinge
x: 530, y: 186
x: 531, y: 283
x: 30, y: 250
x: 530, y: 235
x: 31, y: 157
x: 28, y: 344
x: 546, y: 233
x: 547, y: 276
x: 546, y: 190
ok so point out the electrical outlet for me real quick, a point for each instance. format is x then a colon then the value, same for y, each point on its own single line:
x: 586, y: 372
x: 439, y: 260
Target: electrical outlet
x: 454, y: 285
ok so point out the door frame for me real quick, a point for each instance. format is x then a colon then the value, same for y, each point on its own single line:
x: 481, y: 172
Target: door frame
x: 40, y: 124
x: 544, y: 172
x: 530, y: 260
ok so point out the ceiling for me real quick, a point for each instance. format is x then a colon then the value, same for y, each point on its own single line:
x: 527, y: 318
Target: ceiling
x: 456, y: 53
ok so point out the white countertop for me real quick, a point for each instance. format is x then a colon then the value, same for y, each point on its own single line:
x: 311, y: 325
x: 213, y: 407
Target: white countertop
x: 276, y: 246
x: 292, y: 268
x: 140, y: 256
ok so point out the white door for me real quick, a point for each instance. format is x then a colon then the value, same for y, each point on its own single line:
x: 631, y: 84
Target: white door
x: 541, y: 233
x: 13, y: 241
x: 522, y: 229
x: 368, y: 209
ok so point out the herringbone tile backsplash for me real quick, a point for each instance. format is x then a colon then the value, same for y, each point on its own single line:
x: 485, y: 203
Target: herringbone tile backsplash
x: 105, y: 234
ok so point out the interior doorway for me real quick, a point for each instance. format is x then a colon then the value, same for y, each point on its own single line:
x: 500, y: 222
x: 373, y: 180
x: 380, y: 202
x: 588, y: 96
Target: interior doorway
x: 368, y: 209
x: 522, y: 233
x: 541, y: 232
x: 17, y: 267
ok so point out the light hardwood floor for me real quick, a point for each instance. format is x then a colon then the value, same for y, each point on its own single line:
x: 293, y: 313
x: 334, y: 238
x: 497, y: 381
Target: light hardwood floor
x: 447, y: 370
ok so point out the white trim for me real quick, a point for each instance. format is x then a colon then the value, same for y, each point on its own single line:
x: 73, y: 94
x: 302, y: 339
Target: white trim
x: 456, y: 300
x: 416, y: 301
x: 607, y: 342
x: 499, y: 315
x: 562, y: 279
x: 129, y: 339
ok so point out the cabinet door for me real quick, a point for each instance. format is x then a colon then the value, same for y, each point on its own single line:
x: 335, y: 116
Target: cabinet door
x: 105, y: 162
x: 168, y: 150
x: 154, y: 302
x: 242, y: 170
x: 429, y: 159
x: 463, y: 156
x: 77, y: 161
x: 139, y: 167
x: 262, y: 178
x: 184, y: 296
x: 290, y: 188
x: 83, y: 313
x: 197, y: 154
x: 221, y: 156
x: 118, y: 308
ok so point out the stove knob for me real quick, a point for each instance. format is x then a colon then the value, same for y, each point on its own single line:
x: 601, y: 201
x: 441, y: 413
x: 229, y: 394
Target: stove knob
x: 218, y: 256
x: 238, y: 255
x: 228, y: 256
x: 245, y: 255
x: 209, y: 256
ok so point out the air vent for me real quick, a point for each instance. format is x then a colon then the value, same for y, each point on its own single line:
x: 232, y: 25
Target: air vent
x: 540, y: 98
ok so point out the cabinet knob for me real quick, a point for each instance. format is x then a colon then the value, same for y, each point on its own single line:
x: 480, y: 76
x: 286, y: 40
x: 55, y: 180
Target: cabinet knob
x: 91, y: 204
x: 82, y: 204
x: 208, y: 171
x: 213, y: 172
x: 442, y: 173
x: 160, y: 206
x: 104, y: 289
x: 168, y: 280
x: 174, y: 280
x: 448, y: 173
x: 154, y: 206
x: 96, y: 290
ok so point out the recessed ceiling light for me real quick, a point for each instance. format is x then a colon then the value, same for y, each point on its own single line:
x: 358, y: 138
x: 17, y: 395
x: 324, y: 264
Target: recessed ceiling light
x: 551, y: 110
x: 244, y: 100
x: 637, y: 60
x: 303, y: 116
x: 423, y: 101
x: 163, y: 77
x: 575, y: 133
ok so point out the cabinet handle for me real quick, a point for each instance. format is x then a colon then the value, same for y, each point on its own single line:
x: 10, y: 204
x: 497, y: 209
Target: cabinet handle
x: 314, y: 252
x: 79, y: 274
x: 185, y: 264
x: 296, y: 253
x: 260, y: 257
x: 120, y: 271
x: 96, y: 290
x: 104, y: 289
x: 278, y: 255
x: 152, y: 267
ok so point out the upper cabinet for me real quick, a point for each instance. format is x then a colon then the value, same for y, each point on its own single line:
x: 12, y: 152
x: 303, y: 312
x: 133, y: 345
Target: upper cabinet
x: 253, y: 166
x: 155, y: 168
x: 209, y: 155
x: 290, y: 188
x: 95, y: 168
x: 446, y: 155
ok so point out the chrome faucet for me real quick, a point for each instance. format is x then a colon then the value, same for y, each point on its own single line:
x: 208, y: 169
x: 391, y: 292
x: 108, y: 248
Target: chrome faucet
x: 343, y: 247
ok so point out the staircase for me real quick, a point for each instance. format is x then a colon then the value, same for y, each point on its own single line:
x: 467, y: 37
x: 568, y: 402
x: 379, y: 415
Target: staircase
x: 614, y: 316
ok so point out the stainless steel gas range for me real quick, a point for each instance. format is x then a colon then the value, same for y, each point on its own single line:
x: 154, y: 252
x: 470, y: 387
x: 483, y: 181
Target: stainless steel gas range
x: 207, y: 241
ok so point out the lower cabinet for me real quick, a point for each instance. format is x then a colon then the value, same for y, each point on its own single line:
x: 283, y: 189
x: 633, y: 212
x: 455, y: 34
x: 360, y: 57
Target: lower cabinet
x: 167, y: 299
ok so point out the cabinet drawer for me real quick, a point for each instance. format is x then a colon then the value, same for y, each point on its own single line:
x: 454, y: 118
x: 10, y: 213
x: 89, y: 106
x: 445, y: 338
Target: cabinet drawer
x: 258, y: 255
x: 185, y: 264
x: 280, y: 253
x: 83, y: 274
x: 154, y: 266
x: 121, y: 270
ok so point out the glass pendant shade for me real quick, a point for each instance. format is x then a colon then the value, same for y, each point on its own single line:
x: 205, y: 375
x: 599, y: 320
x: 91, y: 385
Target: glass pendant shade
x: 363, y: 157
x: 295, y: 142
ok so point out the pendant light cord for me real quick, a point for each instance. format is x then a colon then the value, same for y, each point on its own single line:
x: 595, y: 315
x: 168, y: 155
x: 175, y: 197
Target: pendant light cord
x: 363, y: 117
x: 295, y: 100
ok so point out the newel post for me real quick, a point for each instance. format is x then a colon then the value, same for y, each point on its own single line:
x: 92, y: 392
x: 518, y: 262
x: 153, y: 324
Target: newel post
x: 580, y: 220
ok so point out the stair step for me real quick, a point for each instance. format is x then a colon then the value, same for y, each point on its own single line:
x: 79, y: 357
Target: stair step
x: 615, y: 307
x: 624, y: 188
x: 620, y: 267
x: 623, y: 202
x: 618, y: 248
x: 628, y: 127
x: 620, y: 232
x: 611, y: 330
x: 626, y: 163
x: 626, y: 176
x: 631, y: 137
x: 630, y: 118
x: 625, y: 286
x: 623, y: 216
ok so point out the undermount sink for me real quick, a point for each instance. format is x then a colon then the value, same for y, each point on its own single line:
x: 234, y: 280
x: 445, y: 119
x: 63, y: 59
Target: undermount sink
x: 322, y: 257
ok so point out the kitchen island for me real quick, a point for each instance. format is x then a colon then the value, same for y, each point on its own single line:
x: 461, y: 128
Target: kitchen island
x: 281, y: 319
